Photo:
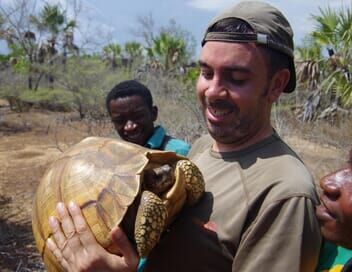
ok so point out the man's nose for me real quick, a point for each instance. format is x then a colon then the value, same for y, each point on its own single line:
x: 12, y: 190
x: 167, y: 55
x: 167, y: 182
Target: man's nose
x: 330, y: 186
x: 130, y: 125
x: 216, y: 90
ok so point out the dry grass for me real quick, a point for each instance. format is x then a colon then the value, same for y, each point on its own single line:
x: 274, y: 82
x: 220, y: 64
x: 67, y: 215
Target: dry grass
x: 322, y: 145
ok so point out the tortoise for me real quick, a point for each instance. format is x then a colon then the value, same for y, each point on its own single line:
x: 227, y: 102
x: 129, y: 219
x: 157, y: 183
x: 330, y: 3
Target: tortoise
x: 116, y: 183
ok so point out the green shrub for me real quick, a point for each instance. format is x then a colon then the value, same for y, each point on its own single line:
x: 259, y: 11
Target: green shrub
x: 51, y: 99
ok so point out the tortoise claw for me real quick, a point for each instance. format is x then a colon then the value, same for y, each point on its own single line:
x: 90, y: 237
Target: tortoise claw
x: 150, y: 222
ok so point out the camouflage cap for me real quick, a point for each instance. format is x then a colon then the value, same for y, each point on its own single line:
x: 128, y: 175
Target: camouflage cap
x: 271, y: 29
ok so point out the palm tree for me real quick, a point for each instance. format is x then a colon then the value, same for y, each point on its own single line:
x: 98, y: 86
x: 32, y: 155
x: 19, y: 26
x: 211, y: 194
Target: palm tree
x: 133, y: 50
x: 133, y: 53
x: 53, y: 20
x: 309, y: 61
x: 111, y: 53
x: 168, y: 50
x: 68, y: 38
x: 328, y: 77
x: 334, y: 31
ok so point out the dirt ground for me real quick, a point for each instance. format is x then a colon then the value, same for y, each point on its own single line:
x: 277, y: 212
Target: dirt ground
x: 30, y: 141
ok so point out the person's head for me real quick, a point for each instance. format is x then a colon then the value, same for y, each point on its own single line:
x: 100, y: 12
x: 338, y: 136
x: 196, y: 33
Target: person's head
x: 130, y: 106
x: 335, y: 210
x: 246, y: 63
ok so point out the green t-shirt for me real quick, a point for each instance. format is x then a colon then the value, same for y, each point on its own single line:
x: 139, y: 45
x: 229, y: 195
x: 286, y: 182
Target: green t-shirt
x: 333, y: 258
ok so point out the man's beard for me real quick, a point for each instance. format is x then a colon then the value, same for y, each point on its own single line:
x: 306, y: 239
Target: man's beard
x: 239, y: 130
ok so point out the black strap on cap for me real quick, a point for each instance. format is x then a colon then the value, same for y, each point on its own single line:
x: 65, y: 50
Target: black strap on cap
x: 246, y: 38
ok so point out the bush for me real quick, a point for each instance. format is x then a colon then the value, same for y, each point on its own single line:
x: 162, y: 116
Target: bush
x: 50, y: 99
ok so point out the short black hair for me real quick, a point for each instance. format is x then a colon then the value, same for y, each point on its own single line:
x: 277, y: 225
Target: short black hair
x: 129, y: 88
x: 275, y: 59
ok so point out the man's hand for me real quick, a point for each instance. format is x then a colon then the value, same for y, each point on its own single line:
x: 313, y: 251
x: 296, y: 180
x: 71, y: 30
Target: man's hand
x: 76, y: 248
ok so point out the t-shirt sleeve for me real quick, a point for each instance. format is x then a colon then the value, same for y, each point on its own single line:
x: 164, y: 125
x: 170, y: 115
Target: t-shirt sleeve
x: 284, y: 237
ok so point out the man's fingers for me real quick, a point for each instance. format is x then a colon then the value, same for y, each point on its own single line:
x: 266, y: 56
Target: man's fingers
x: 85, y: 234
x: 54, y: 249
x: 72, y: 242
x: 124, y: 245
x: 58, y: 235
x: 66, y: 221
x: 56, y: 252
x: 87, y: 252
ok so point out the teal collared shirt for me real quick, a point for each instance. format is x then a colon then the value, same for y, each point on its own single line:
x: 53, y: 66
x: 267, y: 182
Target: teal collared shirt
x: 159, y: 140
x: 333, y: 258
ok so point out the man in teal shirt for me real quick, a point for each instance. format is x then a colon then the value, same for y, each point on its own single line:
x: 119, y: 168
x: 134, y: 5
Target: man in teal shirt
x: 130, y: 106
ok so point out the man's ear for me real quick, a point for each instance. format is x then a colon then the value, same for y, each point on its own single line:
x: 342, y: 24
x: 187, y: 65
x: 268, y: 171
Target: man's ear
x: 154, y: 113
x: 278, y: 84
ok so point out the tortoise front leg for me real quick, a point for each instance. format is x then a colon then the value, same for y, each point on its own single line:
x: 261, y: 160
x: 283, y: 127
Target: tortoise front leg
x: 193, y: 179
x: 150, y: 222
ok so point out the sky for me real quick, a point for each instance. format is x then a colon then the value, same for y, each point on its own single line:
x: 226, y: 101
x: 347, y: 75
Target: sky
x: 116, y: 18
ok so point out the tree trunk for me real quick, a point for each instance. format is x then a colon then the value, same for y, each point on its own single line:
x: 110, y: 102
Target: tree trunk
x: 38, y: 80
x: 30, y: 82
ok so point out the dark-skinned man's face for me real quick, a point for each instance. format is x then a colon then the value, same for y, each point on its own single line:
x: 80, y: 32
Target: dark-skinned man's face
x: 133, y: 118
x: 335, y: 211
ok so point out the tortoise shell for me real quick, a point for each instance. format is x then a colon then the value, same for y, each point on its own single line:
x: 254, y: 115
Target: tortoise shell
x: 105, y: 177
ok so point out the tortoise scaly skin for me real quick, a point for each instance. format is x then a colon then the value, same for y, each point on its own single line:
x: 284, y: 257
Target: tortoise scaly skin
x: 116, y: 183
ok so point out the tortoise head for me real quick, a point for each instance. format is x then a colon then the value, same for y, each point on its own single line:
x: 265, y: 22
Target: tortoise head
x: 159, y: 179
